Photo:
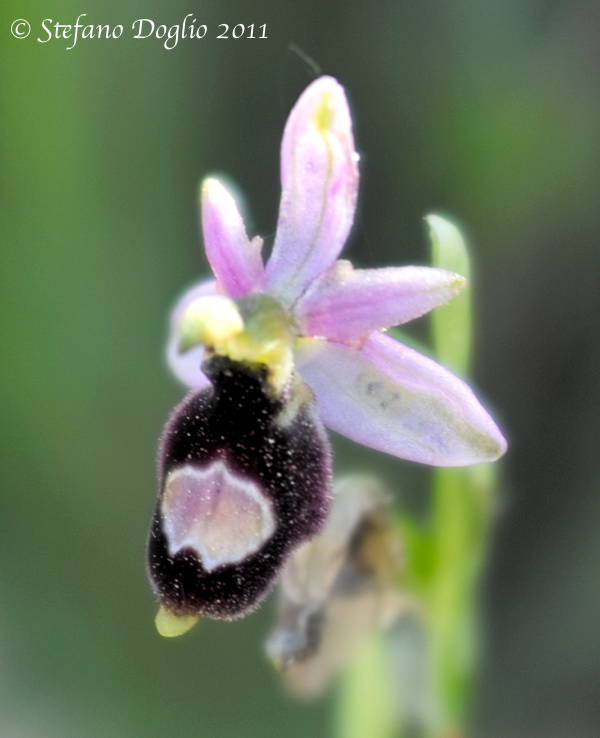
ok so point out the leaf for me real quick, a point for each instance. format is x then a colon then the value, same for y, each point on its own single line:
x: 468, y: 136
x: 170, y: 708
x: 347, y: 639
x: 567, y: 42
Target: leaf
x: 451, y: 323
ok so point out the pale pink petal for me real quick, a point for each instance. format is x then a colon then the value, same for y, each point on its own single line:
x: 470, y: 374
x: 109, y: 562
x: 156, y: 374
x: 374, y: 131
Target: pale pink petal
x: 393, y: 399
x: 345, y: 303
x: 186, y: 367
x: 319, y: 181
x: 236, y: 261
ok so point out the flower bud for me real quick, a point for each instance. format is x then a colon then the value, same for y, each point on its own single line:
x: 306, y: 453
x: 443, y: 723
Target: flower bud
x: 337, y: 589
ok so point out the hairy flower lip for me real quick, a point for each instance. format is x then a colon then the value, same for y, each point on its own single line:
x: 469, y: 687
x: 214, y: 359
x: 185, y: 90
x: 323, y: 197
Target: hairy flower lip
x: 435, y: 418
x: 235, y: 435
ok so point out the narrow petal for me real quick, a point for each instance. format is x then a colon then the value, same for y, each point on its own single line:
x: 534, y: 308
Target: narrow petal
x: 236, y: 262
x: 346, y: 303
x: 396, y: 400
x: 186, y: 366
x: 319, y: 180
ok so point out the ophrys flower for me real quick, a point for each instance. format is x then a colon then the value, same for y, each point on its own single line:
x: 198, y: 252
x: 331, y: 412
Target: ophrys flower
x: 270, y: 351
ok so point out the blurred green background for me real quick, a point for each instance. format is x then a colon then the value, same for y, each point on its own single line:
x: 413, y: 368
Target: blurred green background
x: 488, y: 111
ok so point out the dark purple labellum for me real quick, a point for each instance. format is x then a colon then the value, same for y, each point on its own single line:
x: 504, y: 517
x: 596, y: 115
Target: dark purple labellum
x: 242, y: 482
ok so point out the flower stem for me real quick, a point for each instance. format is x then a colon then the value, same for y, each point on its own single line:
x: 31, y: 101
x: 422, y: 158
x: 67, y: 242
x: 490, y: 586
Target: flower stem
x: 365, y: 703
x: 462, y: 511
x: 461, y: 516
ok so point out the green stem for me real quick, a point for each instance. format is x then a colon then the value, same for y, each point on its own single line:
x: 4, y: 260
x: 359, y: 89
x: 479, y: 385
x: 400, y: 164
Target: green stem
x: 365, y: 701
x: 461, y: 517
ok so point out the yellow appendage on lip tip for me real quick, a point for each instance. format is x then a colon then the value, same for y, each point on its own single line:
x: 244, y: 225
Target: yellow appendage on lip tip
x: 170, y: 625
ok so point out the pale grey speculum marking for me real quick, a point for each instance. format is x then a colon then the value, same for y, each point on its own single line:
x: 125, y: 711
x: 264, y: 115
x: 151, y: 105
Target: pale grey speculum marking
x: 223, y: 517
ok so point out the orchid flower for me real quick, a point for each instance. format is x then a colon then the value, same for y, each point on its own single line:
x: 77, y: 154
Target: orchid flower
x: 368, y: 386
x: 274, y: 351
